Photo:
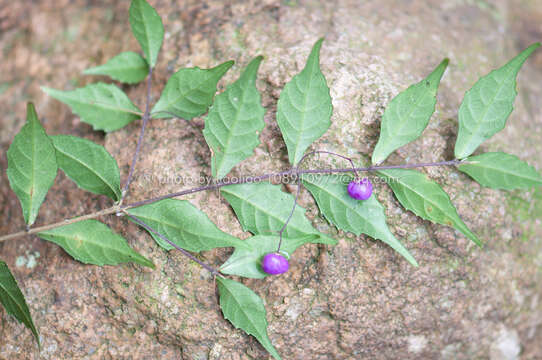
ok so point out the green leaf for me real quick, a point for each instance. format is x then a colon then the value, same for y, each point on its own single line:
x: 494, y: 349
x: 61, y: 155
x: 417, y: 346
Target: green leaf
x: 185, y: 225
x: 127, y: 67
x: 88, y: 164
x: 13, y: 300
x: 262, y: 208
x: 359, y: 217
x: 189, y: 92
x: 246, y: 262
x: 425, y: 198
x: 245, y: 310
x: 304, y: 107
x: 147, y: 28
x: 234, y: 122
x: 487, y: 105
x: 499, y: 170
x: 104, y: 106
x: 32, y: 165
x: 408, y: 114
x: 93, y: 242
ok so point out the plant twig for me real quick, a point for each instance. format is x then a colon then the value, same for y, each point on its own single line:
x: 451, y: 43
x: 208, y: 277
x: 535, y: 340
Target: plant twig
x: 140, y: 222
x: 219, y: 184
x: 108, y: 211
x: 264, y: 177
x: 146, y: 117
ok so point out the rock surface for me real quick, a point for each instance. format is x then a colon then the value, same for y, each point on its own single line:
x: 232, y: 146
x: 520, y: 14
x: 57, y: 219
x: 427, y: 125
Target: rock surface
x: 357, y: 300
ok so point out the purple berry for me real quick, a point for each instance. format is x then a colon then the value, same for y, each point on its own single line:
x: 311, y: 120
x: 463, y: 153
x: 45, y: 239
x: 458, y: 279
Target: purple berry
x: 274, y: 264
x: 360, y: 189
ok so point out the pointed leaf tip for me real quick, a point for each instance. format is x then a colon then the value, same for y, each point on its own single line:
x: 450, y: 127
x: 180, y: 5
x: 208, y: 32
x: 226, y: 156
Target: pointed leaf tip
x: 304, y: 107
x: 408, y: 114
x: 234, y: 122
x: 488, y: 104
x: 425, y: 198
x: 435, y: 76
x: 127, y: 67
x: 245, y: 310
x: 499, y: 170
x: 12, y: 298
x: 359, y: 217
x: 93, y: 242
x: 88, y: 164
x: 104, y: 106
x: 32, y: 165
x: 147, y: 28
x: 31, y: 114
x: 185, y: 225
x: 189, y: 92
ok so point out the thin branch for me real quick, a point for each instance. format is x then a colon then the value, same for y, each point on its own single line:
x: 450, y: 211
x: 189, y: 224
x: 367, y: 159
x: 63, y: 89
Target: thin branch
x: 330, y: 153
x: 146, y: 117
x: 140, y: 222
x: 108, y: 211
x: 222, y: 183
x: 264, y: 177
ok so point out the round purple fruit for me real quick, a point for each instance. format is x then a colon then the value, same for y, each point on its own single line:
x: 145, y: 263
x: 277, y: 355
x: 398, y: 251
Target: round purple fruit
x: 275, y: 263
x: 360, y: 189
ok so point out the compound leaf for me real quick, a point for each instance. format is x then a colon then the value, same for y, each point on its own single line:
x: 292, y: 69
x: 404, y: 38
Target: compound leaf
x: 88, y: 164
x: 408, y: 114
x: 32, y: 165
x: 93, y: 242
x: 499, y: 170
x: 234, y: 121
x: 185, y: 225
x: 262, y: 208
x: 359, y: 217
x: 245, y: 310
x: 104, y: 106
x: 304, y: 107
x: 189, y: 92
x: 246, y: 262
x: 425, y: 198
x: 127, y: 67
x: 487, y: 105
x: 13, y: 300
x: 147, y: 28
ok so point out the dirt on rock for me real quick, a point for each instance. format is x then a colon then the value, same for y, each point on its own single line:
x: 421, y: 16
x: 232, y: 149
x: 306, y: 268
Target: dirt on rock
x: 356, y: 300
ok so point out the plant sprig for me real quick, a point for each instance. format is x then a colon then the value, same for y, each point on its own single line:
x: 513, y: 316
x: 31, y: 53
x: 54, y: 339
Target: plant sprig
x: 275, y: 177
x: 232, y: 126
